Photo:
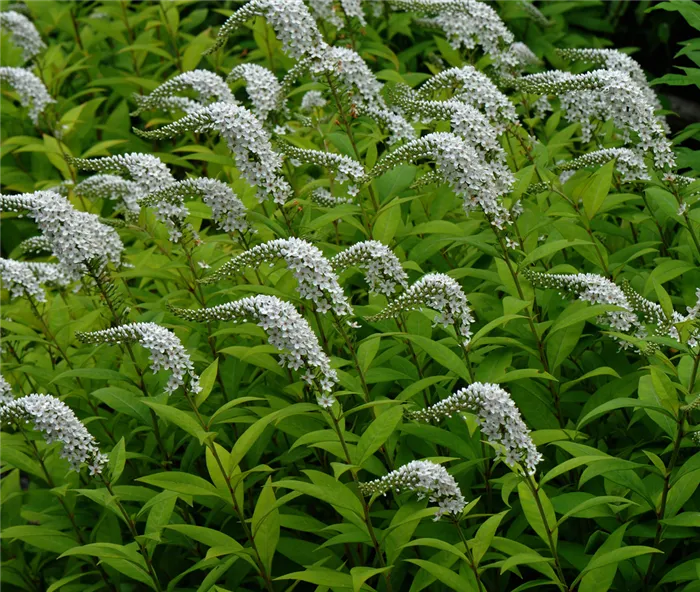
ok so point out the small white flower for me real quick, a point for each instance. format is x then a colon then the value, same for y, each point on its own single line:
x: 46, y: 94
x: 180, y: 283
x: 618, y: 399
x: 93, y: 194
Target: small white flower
x: 31, y: 90
x: 24, y: 33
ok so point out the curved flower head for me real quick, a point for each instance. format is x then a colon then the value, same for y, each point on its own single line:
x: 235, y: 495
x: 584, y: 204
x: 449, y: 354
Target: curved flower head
x: 23, y: 32
x: 76, y: 237
x: 31, y: 90
x: 262, y: 86
x: 314, y: 274
x: 167, y: 353
x: 259, y: 164
x: 126, y: 192
x: 439, y: 292
x: 24, y: 279
x: 460, y: 166
x: 287, y: 330
x: 425, y: 478
x: 5, y: 392
x: 57, y: 423
x: 323, y: 198
x: 291, y: 20
x: 630, y: 164
x: 344, y: 167
x: 207, y: 87
x: 499, y: 417
x: 382, y: 268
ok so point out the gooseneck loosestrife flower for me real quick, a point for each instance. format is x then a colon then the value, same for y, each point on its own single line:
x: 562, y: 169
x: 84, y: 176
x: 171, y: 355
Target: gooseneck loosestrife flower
x: 57, y: 423
x: 124, y: 191
x: 25, y: 278
x: 344, y: 167
x: 30, y: 89
x: 287, y: 330
x: 23, y: 32
x: 439, y: 292
x: 382, y: 268
x: 262, y: 86
x: 314, y: 274
x: 167, y: 352
x: 76, y: 237
x: 258, y: 163
x: 425, y: 478
x: 327, y: 10
x: 323, y: 198
x: 630, y: 164
x: 498, y: 417
x: 207, y: 86
x: 460, y: 166
x: 6, y: 395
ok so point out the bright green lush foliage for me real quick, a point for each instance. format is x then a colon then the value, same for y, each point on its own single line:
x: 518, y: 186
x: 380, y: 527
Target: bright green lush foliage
x: 233, y: 472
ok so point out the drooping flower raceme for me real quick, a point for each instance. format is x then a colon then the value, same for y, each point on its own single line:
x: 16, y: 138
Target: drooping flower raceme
x: 287, y: 330
x: 345, y: 168
x: 425, y: 478
x: 30, y: 89
x: 325, y: 9
x: 293, y: 23
x: 262, y: 86
x: 439, y: 292
x: 630, y: 164
x: 228, y: 211
x: 314, y: 274
x: 476, y: 89
x: 24, y: 33
x: 460, y: 166
x: 207, y: 86
x: 167, y: 352
x: 323, y: 197
x: 57, y: 423
x: 126, y: 192
x: 259, y: 164
x: 5, y: 392
x: 382, y: 268
x: 76, y: 237
x: 499, y: 418
x: 25, y: 278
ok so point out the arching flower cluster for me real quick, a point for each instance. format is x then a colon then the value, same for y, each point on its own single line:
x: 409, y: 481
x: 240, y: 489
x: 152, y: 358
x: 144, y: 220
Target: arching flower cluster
x: 427, y: 479
x: 460, y: 166
x: 76, y: 237
x: 322, y: 197
x: 382, y: 268
x: 326, y: 10
x: 603, y: 95
x: 167, y: 353
x: 24, y: 33
x: 344, y: 167
x: 5, y: 392
x: 262, y: 86
x: 26, y: 278
x: 30, y: 89
x: 259, y: 164
x: 207, y: 87
x: 499, y: 418
x: 439, y: 292
x: 315, y: 277
x: 287, y: 330
x: 57, y: 423
x: 124, y: 191
x: 630, y: 164
x: 228, y: 211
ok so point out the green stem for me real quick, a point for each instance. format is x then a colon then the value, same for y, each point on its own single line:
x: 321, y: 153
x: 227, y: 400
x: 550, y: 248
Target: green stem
x: 468, y: 553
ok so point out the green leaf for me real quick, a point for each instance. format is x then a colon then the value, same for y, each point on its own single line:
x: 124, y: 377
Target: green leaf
x: 377, y: 434
x: 92, y: 374
x: 441, y: 354
x: 206, y: 382
x: 614, y: 557
x: 601, y: 579
x: 207, y: 536
x: 658, y: 390
x: 266, y: 525
x: 321, y: 576
x: 181, y: 483
x: 597, y: 189
x: 533, y: 515
x: 41, y: 537
x: 57, y: 585
x: 592, y: 503
x: 445, y: 575
x: 482, y: 540
x: 117, y: 460
x: 619, y: 404
x: 181, y: 419
x: 361, y: 574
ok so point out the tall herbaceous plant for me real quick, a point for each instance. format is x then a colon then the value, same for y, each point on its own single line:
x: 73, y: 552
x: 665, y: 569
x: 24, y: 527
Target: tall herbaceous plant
x: 390, y: 295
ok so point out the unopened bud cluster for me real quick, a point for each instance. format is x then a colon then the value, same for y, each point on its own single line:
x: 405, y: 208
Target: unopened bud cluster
x: 630, y: 164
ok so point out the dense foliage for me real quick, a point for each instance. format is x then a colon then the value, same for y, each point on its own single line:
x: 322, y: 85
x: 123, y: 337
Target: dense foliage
x: 345, y: 295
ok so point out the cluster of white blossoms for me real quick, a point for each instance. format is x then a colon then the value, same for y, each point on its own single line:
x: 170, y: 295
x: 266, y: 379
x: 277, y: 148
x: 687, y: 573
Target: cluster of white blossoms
x: 498, y: 417
x: 23, y: 32
x: 258, y: 163
x: 25, y: 278
x: 30, y: 89
x: 427, y: 479
x: 294, y: 26
x: 322, y: 197
x: 630, y: 164
x: 167, y: 352
x: 207, y: 87
x: 262, y: 86
x: 76, y: 237
x: 102, y: 186
x: 473, y: 87
x: 461, y: 166
x: 314, y: 274
x: 287, y: 330
x: 312, y: 99
x: 344, y: 167
x: 326, y: 10
x: 603, y: 95
x: 228, y: 211
x: 57, y: 423
x: 382, y: 268
x: 6, y: 395
x: 468, y: 24
x: 439, y: 292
